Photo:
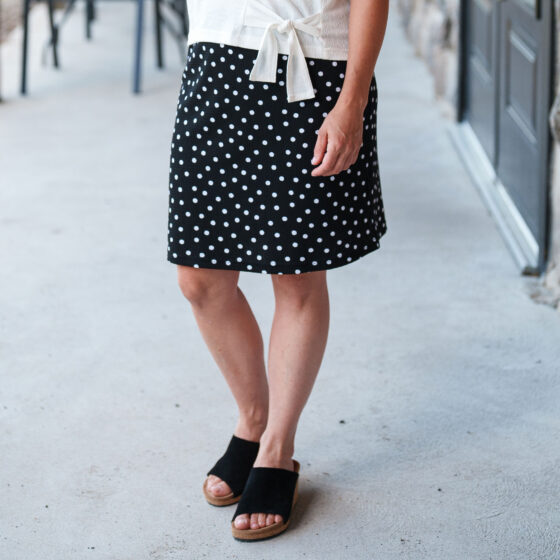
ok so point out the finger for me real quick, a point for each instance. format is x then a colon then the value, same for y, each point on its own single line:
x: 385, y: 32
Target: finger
x: 320, y: 147
x: 329, y: 162
x: 332, y: 166
x: 327, y: 165
x: 356, y: 156
x: 350, y: 158
x: 349, y: 161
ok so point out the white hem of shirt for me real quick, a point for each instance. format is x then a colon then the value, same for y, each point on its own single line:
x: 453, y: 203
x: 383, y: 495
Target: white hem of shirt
x: 310, y: 51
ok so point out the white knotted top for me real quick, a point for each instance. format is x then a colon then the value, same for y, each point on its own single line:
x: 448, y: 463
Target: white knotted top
x: 298, y: 28
x: 298, y: 82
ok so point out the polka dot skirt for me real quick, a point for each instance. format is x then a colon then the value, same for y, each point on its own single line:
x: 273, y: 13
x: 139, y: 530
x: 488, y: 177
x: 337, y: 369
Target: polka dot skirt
x: 241, y: 194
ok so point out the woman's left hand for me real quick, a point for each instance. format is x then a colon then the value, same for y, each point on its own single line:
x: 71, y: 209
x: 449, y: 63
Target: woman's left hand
x: 338, y: 141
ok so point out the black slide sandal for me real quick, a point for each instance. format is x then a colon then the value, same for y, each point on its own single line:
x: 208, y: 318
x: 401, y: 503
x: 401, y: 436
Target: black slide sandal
x: 268, y: 490
x: 233, y: 468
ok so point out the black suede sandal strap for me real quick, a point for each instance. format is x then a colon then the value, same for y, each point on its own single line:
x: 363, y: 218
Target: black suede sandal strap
x: 268, y: 490
x: 235, y: 464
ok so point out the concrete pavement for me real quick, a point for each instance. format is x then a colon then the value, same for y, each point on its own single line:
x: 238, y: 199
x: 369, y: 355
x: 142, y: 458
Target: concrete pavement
x: 432, y: 430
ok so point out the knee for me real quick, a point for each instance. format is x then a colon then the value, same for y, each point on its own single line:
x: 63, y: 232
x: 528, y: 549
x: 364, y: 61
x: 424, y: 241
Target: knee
x: 201, y: 286
x: 298, y: 288
x: 192, y: 287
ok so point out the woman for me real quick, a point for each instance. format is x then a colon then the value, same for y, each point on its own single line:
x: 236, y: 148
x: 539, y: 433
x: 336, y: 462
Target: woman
x: 273, y: 170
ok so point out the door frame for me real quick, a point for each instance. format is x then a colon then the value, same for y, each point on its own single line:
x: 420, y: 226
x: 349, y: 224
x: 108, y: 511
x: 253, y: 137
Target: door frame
x: 530, y: 253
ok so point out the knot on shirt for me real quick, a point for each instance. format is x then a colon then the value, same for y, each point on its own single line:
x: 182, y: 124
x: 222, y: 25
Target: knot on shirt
x: 298, y: 81
x: 285, y: 26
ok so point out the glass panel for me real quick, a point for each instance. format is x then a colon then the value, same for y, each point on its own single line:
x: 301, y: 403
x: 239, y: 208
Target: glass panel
x: 531, y: 6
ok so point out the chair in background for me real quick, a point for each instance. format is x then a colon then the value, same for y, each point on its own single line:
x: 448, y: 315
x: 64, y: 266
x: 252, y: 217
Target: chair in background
x: 165, y: 12
x: 52, y: 41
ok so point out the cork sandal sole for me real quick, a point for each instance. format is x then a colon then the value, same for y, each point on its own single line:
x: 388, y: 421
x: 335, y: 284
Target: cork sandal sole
x: 275, y: 529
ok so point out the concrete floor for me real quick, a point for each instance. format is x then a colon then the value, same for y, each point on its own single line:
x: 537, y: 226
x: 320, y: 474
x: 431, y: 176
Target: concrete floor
x: 433, y: 429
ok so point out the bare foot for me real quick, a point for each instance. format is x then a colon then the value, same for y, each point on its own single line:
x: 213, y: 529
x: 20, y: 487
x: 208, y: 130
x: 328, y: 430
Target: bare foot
x: 257, y: 520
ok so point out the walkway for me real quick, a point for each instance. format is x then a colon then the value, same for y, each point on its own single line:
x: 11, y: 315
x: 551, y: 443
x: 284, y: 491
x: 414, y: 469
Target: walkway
x: 432, y: 432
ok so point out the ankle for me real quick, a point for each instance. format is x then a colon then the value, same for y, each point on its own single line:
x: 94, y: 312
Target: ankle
x: 251, y: 426
x: 277, y: 448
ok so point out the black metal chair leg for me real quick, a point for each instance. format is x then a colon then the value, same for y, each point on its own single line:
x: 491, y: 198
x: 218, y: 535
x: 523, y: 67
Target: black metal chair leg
x: 138, y: 45
x: 185, y: 19
x: 54, y: 32
x: 159, y: 47
x: 89, y: 17
x: 26, y: 8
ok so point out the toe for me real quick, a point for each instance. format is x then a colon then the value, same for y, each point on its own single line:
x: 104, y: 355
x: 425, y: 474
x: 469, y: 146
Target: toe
x: 242, y: 521
x: 218, y: 487
x: 254, y: 521
x: 212, y: 480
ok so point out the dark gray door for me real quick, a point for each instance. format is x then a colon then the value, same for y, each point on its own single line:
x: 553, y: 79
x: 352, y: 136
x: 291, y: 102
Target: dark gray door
x: 482, y: 72
x: 507, y: 93
x: 524, y: 44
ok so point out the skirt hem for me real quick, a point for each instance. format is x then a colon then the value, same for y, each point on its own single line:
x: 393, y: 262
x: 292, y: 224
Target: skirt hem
x: 260, y: 269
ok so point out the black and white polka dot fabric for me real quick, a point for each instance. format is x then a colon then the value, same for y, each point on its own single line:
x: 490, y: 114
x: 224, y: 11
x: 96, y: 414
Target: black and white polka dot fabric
x: 241, y: 193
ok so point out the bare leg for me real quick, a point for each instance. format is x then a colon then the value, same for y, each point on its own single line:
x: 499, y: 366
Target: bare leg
x: 233, y: 337
x: 297, y: 343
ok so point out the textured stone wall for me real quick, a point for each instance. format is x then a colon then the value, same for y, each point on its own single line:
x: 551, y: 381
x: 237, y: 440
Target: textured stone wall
x: 10, y: 16
x: 432, y: 27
